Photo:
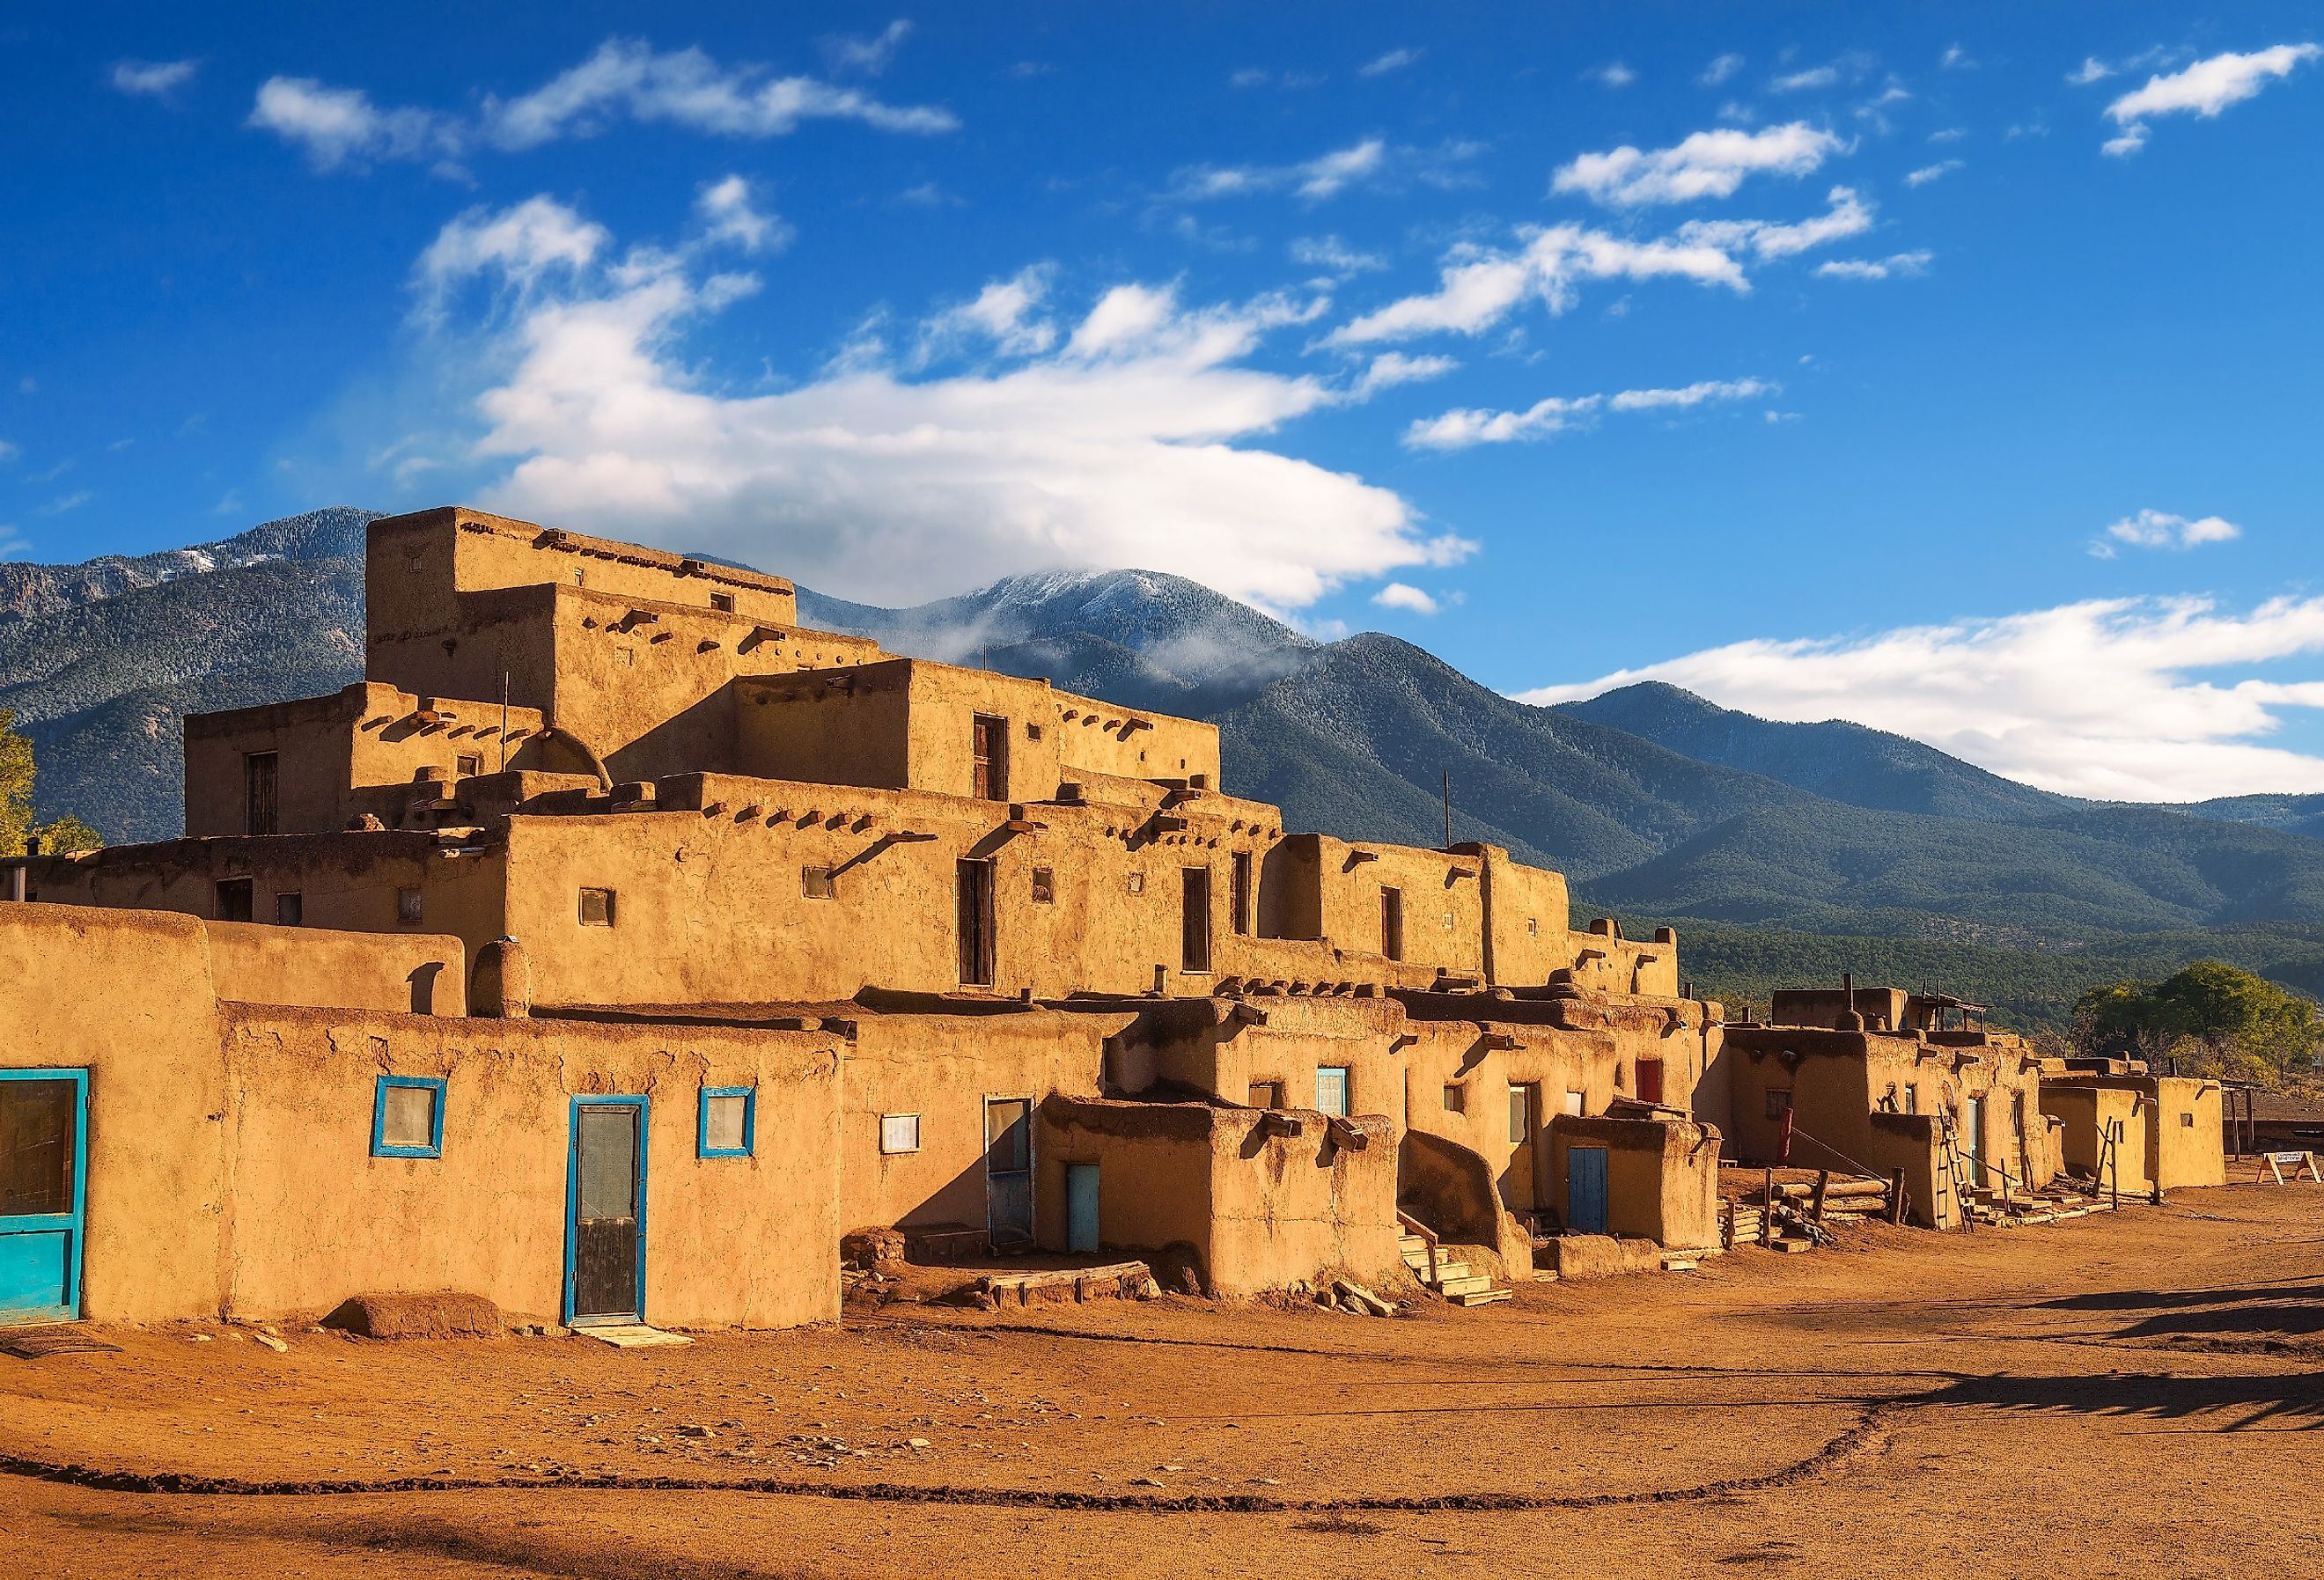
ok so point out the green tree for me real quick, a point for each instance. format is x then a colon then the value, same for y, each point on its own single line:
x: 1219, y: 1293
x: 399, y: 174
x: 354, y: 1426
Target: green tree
x: 18, y: 832
x: 2210, y: 1019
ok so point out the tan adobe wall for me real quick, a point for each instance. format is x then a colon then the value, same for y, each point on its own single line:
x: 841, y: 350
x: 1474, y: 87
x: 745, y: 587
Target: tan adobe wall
x: 943, y: 1068
x: 1528, y: 908
x: 1883, y: 1008
x: 849, y: 726
x: 126, y: 996
x: 2184, y: 1143
x: 945, y: 703
x: 1227, y: 1051
x: 2084, y: 1112
x: 1332, y: 889
x: 2172, y: 1127
x: 489, y: 1216
x: 1261, y: 1210
x: 413, y: 973
x: 1661, y: 1176
x: 1604, y: 962
x: 1096, y: 737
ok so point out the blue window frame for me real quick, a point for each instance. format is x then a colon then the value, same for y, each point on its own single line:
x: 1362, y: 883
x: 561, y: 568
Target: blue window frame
x: 716, y: 1134
x: 396, y: 1120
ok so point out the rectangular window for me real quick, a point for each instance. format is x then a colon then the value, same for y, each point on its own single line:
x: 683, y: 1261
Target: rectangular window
x: 1045, y: 891
x: 722, y: 602
x: 468, y: 764
x: 1525, y: 1101
x: 1267, y: 1093
x: 2186, y: 1121
x: 1242, y: 896
x: 596, y: 907
x: 729, y: 1120
x: 1392, y: 923
x: 1456, y: 1099
x: 1533, y: 927
x: 1912, y: 1100
x: 900, y: 1132
x: 1194, y: 919
x: 974, y: 885
x: 290, y: 910
x: 1779, y: 1102
x: 1007, y: 1135
x: 407, y: 1118
x: 1136, y: 883
x: 816, y: 883
x: 1574, y: 1104
x: 1650, y: 1080
x: 988, y: 754
x: 1332, y: 1090
x: 261, y: 815
x: 406, y: 906
x: 234, y: 899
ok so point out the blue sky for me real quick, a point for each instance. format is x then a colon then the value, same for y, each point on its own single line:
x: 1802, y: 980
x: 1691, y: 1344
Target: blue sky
x: 1952, y: 369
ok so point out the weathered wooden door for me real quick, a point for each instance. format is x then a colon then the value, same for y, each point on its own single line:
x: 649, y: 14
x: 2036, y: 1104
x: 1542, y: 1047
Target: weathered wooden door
x: 1650, y: 1080
x: 1585, y: 1190
x: 1080, y: 1207
x: 605, y: 1240
x: 43, y: 1184
x: 1008, y: 1170
x: 973, y: 897
x: 988, y: 754
x: 261, y: 806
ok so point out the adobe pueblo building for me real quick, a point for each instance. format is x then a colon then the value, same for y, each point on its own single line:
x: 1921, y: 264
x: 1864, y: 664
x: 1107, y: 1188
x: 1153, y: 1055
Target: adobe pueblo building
x: 617, y: 946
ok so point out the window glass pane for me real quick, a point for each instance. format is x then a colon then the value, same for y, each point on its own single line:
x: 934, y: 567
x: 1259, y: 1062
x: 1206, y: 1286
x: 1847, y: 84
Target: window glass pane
x: 1008, y: 1135
x: 1520, y: 1116
x: 609, y: 1162
x: 36, y: 1146
x: 900, y: 1132
x: 407, y: 1116
x: 1332, y: 1090
x: 722, y: 1124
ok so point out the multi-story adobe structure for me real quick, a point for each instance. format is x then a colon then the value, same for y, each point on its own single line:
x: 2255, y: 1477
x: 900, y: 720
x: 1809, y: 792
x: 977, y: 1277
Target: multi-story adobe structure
x: 616, y: 944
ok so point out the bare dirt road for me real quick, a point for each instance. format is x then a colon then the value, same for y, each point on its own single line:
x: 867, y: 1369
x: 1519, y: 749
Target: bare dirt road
x: 2126, y: 1394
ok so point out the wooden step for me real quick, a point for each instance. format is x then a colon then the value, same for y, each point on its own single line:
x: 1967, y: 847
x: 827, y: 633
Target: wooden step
x: 1467, y: 1284
x: 1481, y: 1297
x: 1792, y: 1247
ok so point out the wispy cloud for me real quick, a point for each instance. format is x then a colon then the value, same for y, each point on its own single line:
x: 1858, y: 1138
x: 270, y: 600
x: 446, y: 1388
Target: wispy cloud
x: 1889, y: 267
x: 152, y: 78
x: 1394, y: 61
x: 1613, y: 74
x: 1329, y: 251
x: 2154, y: 529
x: 1956, y: 59
x: 1466, y: 428
x: 1390, y: 368
x: 1849, y: 214
x: 623, y: 79
x: 1371, y: 162
x: 730, y: 214
x: 1805, y: 81
x: 1933, y: 172
x: 1706, y: 164
x: 869, y: 56
x: 1404, y: 596
x: 2204, y: 89
x: 63, y: 502
x: 2098, y: 698
x: 1721, y: 68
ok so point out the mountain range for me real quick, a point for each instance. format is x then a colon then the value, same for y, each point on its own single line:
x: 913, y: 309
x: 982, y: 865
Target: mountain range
x: 1659, y: 804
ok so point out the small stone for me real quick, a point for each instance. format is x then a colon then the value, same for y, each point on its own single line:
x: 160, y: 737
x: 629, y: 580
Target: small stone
x: 271, y: 1342
x: 197, y: 1338
x: 916, y: 1443
x: 694, y: 1431
x: 1144, y: 1481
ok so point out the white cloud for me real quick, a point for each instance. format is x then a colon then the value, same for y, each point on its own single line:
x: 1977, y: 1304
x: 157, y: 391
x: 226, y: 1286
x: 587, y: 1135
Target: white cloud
x: 1465, y: 428
x: 2154, y: 529
x: 521, y: 243
x: 341, y: 125
x: 63, y: 502
x: 2093, y: 698
x: 1394, y: 61
x: 1848, y: 214
x: 2204, y: 89
x: 1895, y: 264
x: 1135, y: 441
x: 1949, y: 135
x: 728, y: 214
x: 1931, y: 172
x: 1373, y: 161
x: 1613, y: 74
x: 871, y: 56
x: 1329, y: 251
x: 624, y: 77
x: 1813, y: 77
x: 1006, y: 317
x: 1955, y: 59
x: 1721, y: 69
x: 9, y: 453
x: 1399, y: 595
x: 152, y: 78
x: 1707, y: 164
x: 1390, y: 368
x: 2092, y: 69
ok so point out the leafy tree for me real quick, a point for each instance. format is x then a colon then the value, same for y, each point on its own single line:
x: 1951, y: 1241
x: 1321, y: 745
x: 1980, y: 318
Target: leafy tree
x: 2209, y: 1018
x: 18, y: 832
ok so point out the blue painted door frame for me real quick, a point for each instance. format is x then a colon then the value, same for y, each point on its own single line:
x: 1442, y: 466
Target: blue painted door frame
x: 41, y: 1251
x: 1585, y: 1189
x: 573, y: 1205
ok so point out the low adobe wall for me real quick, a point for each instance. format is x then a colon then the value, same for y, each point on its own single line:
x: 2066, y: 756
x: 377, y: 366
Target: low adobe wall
x: 419, y: 973
x: 1261, y: 1208
x: 1661, y: 1176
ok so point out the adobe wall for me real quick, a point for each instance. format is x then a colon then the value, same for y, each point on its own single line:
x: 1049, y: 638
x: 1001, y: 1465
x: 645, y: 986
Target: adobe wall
x: 1333, y: 890
x: 1227, y: 1049
x: 944, y: 703
x: 2185, y: 1147
x: 2173, y: 1126
x: 1096, y: 737
x: 1262, y: 1208
x: 1604, y: 962
x: 411, y: 973
x: 489, y: 1216
x: 849, y: 726
x: 2084, y: 1111
x: 128, y: 996
x: 1661, y: 1176
x: 943, y: 1068
x: 1526, y: 911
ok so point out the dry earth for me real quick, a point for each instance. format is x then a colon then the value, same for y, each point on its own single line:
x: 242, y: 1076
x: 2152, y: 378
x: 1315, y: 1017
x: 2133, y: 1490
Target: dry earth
x: 2127, y: 1394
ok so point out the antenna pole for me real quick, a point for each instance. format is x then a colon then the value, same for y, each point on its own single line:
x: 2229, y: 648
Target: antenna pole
x: 1448, y: 807
x: 503, y: 721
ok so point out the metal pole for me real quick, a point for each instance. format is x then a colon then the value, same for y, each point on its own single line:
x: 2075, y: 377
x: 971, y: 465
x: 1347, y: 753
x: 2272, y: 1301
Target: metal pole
x: 504, y: 677
x: 1448, y: 807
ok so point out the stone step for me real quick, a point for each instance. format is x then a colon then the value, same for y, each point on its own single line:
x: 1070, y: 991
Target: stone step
x: 1481, y: 1297
x: 1792, y: 1247
x: 1466, y: 1284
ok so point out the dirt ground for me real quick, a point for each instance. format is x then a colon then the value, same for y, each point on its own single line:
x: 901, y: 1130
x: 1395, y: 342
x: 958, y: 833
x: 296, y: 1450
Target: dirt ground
x: 2124, y: 1394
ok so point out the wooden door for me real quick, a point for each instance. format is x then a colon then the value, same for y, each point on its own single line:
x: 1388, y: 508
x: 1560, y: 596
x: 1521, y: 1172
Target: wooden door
x: 44, y: 1186
x: 259, y: 798
x: 1585, y: 1190
x: 605, y: 1233
x: 1650, y: 1080
x: 974, y: 884
x: 1194, y: 919
x: 988, y: 754
x: 1392, y: 923
x: 1080, y: 1207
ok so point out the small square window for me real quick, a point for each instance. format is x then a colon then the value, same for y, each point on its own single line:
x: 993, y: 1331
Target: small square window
x: 290, y: 910
x: 407, y: 1117
x: 468, y: 764
x: 1267, y: 1093
x: 900, y: 1132
x: 1044, y: 889
x: 1138, y: 883
x: 722, y: 602
x: 1456, y: 1099
x: 234, y: 899
x: 729, y: 1117
x: 1533, y: 927
x: 1032, y: 732
x: 1448, y: 918
x: 1574, y: 1101
x: 1779, y: 1102
x: 596, y: 907
x: 816, y: 883
x: 2186, y: 1121
x: 406, y: 906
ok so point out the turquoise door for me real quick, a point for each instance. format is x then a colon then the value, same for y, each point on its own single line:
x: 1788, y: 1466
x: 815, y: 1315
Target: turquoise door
x: 1585, y: 1189
x: 1080, y: 1207
x: 43, y: 1188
